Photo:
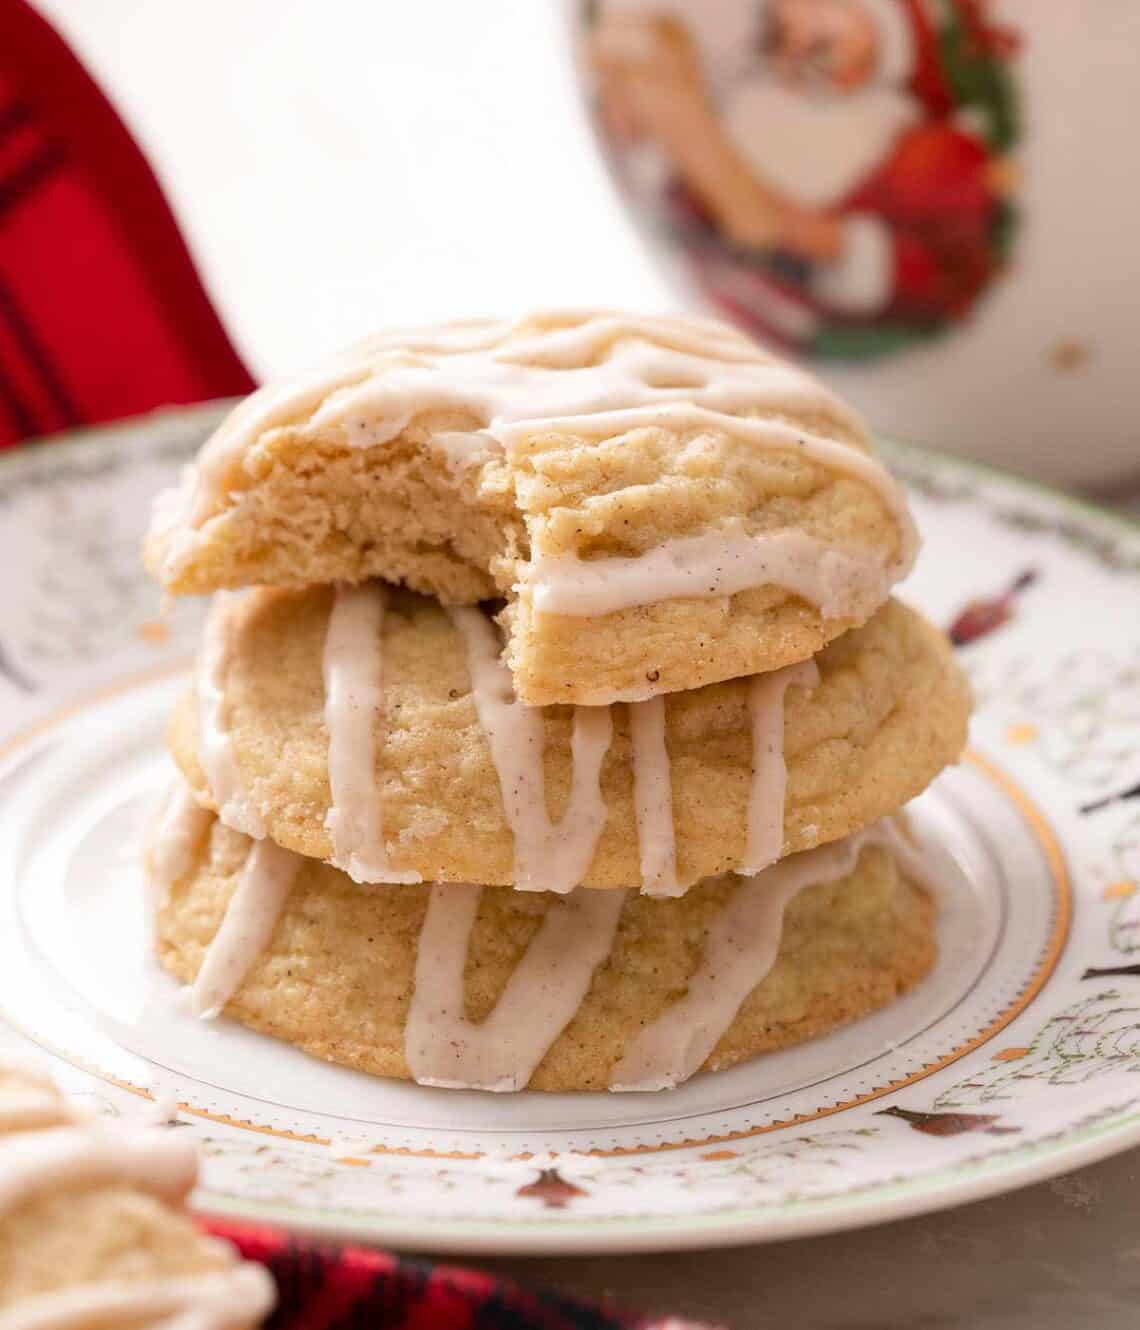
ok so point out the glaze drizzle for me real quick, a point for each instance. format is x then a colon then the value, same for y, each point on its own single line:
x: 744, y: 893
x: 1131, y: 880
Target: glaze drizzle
x: 540, y: 999
x: 548, y: 856
x: 653, y: 799
x: 353, y: 672
x: 739, y: 951
x: 247, y: 925
x: 768, y: 794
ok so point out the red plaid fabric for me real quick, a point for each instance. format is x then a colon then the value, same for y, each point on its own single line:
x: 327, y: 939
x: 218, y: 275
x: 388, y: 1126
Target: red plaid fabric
x: 102, y: 314
x: 351, y: 1288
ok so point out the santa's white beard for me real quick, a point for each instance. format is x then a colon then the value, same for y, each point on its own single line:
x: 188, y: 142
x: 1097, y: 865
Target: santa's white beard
x: 815, y: 147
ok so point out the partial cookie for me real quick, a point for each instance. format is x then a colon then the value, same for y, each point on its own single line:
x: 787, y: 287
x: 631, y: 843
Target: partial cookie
x: 93, y: 1223
x: 662, y: 503
x: 496, y: 989
x: 888, y: 713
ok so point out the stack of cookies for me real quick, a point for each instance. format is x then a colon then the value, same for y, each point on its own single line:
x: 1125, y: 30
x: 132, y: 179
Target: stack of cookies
x: 552, y: 713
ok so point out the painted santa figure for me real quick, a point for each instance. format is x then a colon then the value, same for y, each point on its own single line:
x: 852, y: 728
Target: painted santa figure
x: 838, y: 169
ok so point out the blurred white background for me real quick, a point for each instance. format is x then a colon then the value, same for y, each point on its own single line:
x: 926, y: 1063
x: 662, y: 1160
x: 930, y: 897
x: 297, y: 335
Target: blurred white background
x: 338, y: 165
x: 349, y: 163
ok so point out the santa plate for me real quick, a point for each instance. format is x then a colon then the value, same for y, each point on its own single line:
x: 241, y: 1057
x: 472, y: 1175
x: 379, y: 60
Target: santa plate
x: 1016, y: 1059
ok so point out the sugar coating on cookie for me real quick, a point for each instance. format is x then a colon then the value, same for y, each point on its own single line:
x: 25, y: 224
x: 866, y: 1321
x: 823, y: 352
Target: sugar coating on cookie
x: 93, y: 1227
x: 661, y: 503
x: 439, y: 773
x: 489, y: 988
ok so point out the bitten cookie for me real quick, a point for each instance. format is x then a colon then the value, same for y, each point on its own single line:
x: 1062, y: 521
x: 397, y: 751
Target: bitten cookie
x: 661, y: 503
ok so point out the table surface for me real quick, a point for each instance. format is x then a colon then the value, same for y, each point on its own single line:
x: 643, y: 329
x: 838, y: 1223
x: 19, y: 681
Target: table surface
x: 1049, y: 1257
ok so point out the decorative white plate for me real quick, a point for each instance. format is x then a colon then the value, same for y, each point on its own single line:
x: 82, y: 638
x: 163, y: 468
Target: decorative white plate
x: 1018, y: 1058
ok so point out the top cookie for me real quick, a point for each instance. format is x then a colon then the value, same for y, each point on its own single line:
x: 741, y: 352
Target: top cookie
x: 662, y: 504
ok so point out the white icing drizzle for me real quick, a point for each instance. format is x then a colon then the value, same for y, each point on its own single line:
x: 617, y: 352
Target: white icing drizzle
x: 181, y: 829
x: 154, y: 1161
x: 740, y: 949
x: 515, y: 398
x: 766, y: 797
x: 232, y: 1299
x: 354, y: 702
x: 250, y: 918
x: 679, y: 373
x: 653, y: 799
x: 587, y: 336
x: 552, y: 857
x: 841, y: 582
x: 549, y: 984
x: 540, y: 999
x: 215, y: 746
x: 548, y: 856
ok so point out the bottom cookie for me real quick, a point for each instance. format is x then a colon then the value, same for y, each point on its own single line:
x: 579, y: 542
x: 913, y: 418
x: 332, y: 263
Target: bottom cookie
x: 493, y: 988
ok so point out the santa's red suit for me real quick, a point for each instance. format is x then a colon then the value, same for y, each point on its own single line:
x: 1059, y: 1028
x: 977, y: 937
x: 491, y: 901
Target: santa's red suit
x: 891, y: 161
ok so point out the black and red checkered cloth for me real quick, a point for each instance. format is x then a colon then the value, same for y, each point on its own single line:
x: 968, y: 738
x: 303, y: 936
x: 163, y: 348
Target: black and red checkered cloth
x: 357, y: 1289
x: 102, y: 316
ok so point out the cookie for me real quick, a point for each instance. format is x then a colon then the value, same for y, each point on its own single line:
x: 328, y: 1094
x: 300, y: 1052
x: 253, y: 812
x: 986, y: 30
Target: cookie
x: 440, y: 776
x: 661, y: 503
x: 93, y: 1226
x: 489, y: 988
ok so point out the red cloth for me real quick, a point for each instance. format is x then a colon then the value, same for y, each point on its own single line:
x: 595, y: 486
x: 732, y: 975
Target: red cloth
x: 102, y: 314
x: 351, y: 1288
